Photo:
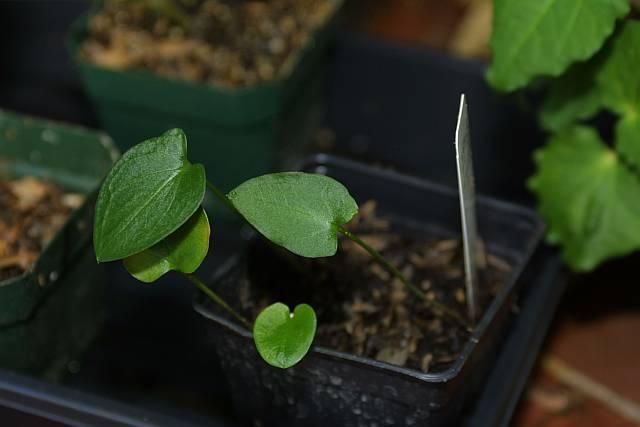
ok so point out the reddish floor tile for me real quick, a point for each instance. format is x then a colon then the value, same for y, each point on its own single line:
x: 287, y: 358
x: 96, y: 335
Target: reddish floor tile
x: 551, y: 404
x: 602, y: 346
x: 606, y: 349
x: 423, y: 21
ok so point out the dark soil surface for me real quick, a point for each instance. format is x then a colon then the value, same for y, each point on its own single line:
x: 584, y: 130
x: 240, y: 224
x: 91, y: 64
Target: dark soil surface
x: 362, y: 309
x: 31, y: 212
x: 227, y: 42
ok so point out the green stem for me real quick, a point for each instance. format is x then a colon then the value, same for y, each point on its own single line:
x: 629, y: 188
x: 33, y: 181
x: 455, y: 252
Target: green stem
x: 221, y: 196
x: 217, y: 299
x: 412, y: 287
x: 375, y: 254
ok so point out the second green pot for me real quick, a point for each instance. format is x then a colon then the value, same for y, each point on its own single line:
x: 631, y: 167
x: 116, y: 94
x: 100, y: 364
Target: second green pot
x: 51, y: 312
x: 236, y: 133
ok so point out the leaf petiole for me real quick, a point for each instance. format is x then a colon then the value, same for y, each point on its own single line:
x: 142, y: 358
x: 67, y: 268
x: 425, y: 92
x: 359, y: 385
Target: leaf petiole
x: 217, y: 299
x: 398, y: 274
x: 452, y: 314
x: 219, y: 194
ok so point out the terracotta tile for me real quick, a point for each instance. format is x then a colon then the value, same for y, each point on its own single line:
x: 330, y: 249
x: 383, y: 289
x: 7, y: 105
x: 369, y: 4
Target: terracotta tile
x: 595, y: 334
x: 607, y: 349
x: 423, y: 21
x: 551, y: 404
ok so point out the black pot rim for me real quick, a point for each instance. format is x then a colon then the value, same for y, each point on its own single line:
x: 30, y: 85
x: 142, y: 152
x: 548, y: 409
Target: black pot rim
x: 201, y: 306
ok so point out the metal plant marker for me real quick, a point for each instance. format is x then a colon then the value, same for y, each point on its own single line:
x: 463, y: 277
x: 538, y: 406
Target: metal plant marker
x: 466, y: 187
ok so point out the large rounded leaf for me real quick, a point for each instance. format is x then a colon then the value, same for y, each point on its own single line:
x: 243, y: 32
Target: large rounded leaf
x: 150, y: 192
x: 183, y: 250
x: 284, y: 338
x: 534, y: 38
x: 299, y: 211
x: 619, y: 85
x: 588, y: 196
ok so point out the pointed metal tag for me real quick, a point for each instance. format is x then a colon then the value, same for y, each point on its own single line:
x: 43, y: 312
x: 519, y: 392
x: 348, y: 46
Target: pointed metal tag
x: 464, y: 162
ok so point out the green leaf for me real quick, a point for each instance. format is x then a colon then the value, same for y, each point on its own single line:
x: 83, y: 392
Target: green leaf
x: 619, y: 83
x: 183, y: 250
x: 150, y: 192
x: 619, y: 79
x: 572, y: 97
x: 543, y: 37
x: 299, y: 211
x: 588, y: 197
x: 628, y: 138
x: 283, y: 338
x: 608, y: 80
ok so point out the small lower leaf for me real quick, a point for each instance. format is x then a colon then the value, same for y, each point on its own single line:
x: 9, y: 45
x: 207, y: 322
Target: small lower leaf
x: 183, y: 250
x: 284, y: 338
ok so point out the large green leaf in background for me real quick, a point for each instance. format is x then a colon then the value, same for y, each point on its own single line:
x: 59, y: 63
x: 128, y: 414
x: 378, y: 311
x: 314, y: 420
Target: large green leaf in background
x: 619, y: 86
x: 588, y: 197
x: 183, y: 250
x: 610, y: 80
x: 572, y: 97
x: 299, y: 211
x: 150, y: 192
x: 543, y: 37
x: 619, y: 78
x: 628, y: 139
x: 283, y: 338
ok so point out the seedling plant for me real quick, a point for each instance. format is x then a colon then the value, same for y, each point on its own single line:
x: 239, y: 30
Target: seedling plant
x: 149, y: 215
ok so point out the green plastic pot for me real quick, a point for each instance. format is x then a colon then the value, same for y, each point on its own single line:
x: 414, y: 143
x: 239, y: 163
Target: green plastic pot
x: 236, y: 133
x: 50, y: 313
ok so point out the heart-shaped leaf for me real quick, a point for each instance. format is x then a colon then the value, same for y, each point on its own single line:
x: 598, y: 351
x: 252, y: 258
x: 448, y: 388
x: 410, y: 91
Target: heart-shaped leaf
x: 150, y: 192
x: 284, y: 338
x: 183, y: 250
x: 299, y: 211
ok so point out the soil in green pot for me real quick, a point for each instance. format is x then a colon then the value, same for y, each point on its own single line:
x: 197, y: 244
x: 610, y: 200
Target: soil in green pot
x: 232, y: 43
x: 31, y: 212
x: 362, y: 309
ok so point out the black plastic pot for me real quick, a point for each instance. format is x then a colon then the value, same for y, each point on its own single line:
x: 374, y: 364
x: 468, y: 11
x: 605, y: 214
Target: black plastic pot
x: 347, y: 390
